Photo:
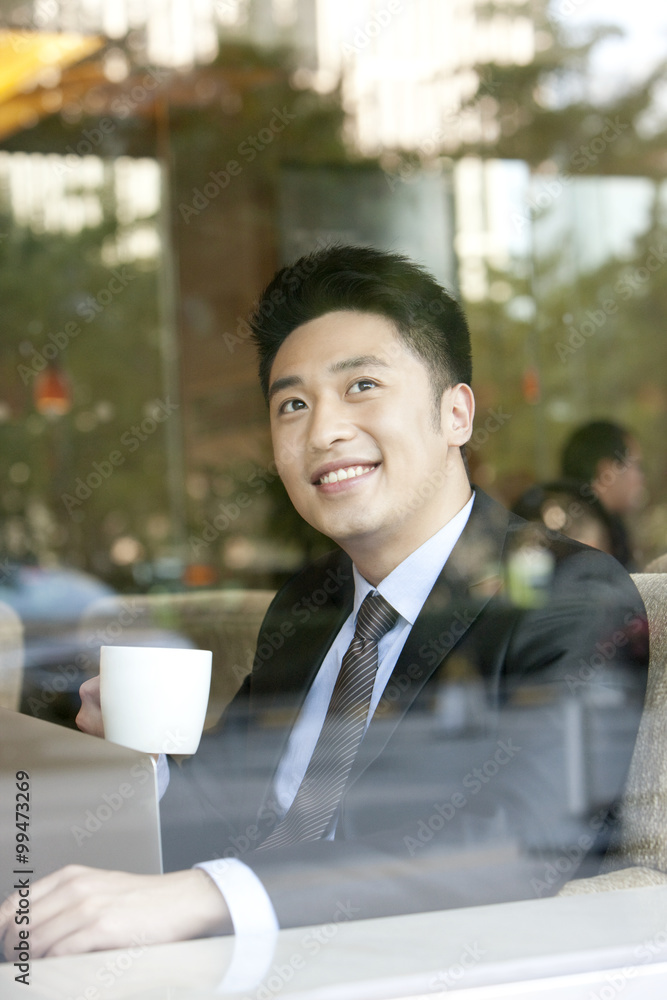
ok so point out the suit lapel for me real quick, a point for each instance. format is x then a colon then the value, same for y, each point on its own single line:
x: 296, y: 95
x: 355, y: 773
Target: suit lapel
x: 281, y: 682
x: 469, y: 579
x: 299, y: 628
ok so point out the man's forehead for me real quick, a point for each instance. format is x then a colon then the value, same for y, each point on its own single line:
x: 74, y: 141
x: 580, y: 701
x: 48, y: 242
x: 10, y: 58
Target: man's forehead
x: 338, y: 341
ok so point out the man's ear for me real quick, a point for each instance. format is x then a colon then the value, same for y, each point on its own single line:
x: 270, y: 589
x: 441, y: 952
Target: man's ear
x: 457, y: 413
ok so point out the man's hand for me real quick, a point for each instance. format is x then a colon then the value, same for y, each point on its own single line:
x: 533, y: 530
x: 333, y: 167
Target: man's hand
x: 79, y: 909
x: 89, y: 719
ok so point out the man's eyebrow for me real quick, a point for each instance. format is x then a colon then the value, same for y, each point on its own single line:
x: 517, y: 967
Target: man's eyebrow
x: 287, y: 382
x: 362, y: 361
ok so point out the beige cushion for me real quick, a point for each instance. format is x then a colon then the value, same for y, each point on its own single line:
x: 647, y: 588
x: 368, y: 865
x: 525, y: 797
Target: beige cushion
x: 644, y: 814
x: 626, y: 878
x: 643, y: 837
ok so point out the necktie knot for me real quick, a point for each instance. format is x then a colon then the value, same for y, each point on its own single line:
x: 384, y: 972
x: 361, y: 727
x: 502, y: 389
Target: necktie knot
x: 376, y: 617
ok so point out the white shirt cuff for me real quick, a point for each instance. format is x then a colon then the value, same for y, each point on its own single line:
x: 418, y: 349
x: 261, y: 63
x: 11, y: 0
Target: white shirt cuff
x: 254, y: 919
x: 248, y: 901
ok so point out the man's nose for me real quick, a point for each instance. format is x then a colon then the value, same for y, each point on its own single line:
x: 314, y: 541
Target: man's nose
x: 329, y: 422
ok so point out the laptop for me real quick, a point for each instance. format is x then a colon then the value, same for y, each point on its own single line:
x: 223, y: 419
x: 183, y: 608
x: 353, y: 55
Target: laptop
x: 69, y: 798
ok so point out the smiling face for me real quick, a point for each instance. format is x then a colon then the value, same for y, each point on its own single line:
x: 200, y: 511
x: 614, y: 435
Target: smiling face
x: 356, y: 441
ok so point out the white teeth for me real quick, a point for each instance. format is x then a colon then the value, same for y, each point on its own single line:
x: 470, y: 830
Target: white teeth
x: 339, y: 474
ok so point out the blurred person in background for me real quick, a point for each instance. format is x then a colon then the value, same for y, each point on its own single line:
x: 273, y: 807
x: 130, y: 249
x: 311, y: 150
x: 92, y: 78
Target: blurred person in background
x: 561, y: 506
x: 606, y: 460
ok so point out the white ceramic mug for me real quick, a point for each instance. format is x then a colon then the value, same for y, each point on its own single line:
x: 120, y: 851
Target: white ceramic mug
x: 154, y: 699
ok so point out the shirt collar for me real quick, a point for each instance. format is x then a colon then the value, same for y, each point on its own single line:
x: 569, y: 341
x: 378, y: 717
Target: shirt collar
x: 409, y: 584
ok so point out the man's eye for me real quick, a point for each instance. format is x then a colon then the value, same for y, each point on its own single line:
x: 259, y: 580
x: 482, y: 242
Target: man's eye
x: 362, y: 384
x: 291, y: 405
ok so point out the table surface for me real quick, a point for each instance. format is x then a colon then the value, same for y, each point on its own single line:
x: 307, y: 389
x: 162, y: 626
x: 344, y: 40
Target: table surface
x: 594, y: 947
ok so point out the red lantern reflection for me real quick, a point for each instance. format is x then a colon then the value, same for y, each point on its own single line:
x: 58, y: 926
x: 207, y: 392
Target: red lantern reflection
x: 52, y: 393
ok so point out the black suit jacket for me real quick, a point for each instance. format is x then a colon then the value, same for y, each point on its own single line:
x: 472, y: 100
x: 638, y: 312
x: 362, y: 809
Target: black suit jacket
x: 426, y: 821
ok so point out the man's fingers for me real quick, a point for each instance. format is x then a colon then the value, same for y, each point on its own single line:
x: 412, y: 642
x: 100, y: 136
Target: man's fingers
x: 89, y: 719
x: 45, y: 886
x: 80, y: 909
x: 53, y: 932
x: 57, y: 908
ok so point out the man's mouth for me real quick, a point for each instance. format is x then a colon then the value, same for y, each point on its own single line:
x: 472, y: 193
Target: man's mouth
x: 350, y: 472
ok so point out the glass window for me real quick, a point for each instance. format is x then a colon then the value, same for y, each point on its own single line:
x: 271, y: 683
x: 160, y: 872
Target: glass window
x: 158, y: 163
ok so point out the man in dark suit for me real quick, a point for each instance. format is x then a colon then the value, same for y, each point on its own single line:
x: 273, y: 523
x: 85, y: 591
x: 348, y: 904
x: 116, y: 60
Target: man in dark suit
x: 427, y: 821
x: 365, y: 363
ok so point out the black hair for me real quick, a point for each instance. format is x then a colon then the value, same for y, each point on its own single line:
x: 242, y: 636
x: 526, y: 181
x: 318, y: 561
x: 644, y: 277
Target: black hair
x: 429, y: 321
x: 589, y: 445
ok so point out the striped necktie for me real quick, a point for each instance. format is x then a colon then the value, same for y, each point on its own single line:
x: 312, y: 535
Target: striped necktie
x: 323, y: 784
